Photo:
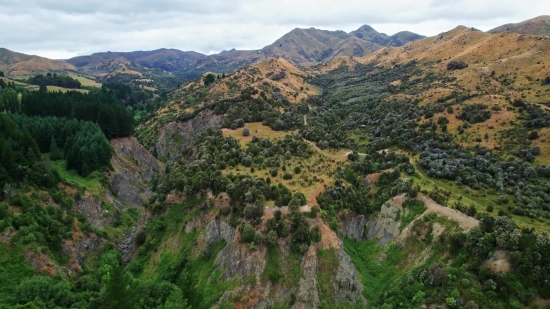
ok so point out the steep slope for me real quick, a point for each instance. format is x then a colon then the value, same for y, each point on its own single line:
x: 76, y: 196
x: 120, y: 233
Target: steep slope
x: 18, y: 65
x: 536, y: 26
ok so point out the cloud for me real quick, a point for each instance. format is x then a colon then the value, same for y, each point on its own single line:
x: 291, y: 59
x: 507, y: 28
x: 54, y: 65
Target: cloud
x: 66, y: 28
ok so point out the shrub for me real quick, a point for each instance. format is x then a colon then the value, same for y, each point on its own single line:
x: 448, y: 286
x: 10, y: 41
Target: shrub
x: 533, y: 135
x: 297, y: 170
x: 315, y: 234
x: 246, y: 132
x: 287, y: 176
x: 247, y: 233
x: 546, y: 81
x: 456, y: 65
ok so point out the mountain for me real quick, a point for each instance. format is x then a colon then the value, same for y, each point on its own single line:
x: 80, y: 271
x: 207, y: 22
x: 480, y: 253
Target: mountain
x: 536, y: 26
x: 165, y: 59
x: 18, y: 65
x: 299, y: 46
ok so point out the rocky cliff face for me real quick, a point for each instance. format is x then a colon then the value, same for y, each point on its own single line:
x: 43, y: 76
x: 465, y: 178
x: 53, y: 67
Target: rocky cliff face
x: 92, y: 207
x: 354, y: 226
x: 134, y: 166
x: 176, y: 136
x: 308, y: 295
x: 385, y: 226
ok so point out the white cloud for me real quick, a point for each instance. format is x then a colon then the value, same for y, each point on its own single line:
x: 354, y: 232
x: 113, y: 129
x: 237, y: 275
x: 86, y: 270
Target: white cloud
x: 66, y: 28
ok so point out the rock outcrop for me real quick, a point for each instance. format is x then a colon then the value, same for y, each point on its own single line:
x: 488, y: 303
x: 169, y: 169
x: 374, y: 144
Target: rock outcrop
x: 354, y: 227
x: 347, y: 286
x: 92, y: 208
x: 80, y: 249
x: 134, y: 166
x: 307, y: 295
x: 176, y: 136
x: 385, y: 226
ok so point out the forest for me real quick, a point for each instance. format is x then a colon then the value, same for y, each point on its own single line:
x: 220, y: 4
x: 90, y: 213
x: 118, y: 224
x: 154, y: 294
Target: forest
x: 50, y: 79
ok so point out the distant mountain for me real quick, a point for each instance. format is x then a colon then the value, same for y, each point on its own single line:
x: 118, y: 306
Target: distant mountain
x: 299, y: 46
x: 537, y: 26
x: 367, y: 33
x: 17, y: 65
x: 170, y: 60
x: 303, y: 46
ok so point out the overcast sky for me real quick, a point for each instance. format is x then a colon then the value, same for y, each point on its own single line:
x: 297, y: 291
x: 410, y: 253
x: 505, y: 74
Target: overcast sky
x: 67, y: 28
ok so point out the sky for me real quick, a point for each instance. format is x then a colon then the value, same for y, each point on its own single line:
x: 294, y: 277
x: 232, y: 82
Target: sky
x: 62, y: 29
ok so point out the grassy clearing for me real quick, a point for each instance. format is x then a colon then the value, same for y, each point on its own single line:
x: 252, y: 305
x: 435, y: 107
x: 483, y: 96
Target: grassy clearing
x: 85, y: 81
x: 55, y: 88
x: 316, y: 170
x: 414, y: 209
x: 92, y: 183
x: 378, y: 266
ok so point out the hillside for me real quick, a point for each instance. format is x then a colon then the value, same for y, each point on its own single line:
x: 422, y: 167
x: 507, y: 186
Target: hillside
x: 413, y: 176
x: 165, y: 59
x: 536, y: 26
x: 17, y: 65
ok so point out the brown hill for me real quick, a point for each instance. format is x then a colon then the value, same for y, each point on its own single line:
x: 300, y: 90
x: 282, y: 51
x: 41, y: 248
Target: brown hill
x: 537, y: 26
x: 18, y: 65
x: 165, y: 59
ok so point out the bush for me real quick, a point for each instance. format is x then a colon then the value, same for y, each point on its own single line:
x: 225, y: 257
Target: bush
x: 248, y: 233
x: 297, y: 170
x: 287, y: 176
x: 315, y: 234
x: 546, y: 81
x: 456, y: 65
x: 533, y: 135
x: 246, y: 132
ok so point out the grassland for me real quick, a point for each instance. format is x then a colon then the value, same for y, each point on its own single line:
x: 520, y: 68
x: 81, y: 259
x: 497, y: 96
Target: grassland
x: 85, y: 81
x: 92, y: 183
x: 316, y: 170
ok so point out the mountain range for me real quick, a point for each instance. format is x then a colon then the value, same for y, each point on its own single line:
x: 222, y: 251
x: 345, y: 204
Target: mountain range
x: 301, y: 47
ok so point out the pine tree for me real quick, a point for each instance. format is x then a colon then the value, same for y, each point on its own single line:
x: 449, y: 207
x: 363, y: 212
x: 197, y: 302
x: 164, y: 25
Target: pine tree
x: 119, y: 291
x: 55, y: 152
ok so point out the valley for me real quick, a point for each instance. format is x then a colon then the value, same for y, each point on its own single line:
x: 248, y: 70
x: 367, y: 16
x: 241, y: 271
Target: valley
x: 327, y: 170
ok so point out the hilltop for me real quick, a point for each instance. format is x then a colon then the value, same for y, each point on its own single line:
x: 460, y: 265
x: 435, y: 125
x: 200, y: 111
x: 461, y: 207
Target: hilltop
x: 536, y: 26
x: 17, y: 65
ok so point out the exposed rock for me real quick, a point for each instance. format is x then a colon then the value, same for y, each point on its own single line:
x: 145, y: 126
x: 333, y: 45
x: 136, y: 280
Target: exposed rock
x: 127, y: 247
x: 216, y: 231
x: 91, y: 207
x: 176, y: 136
x: 236, y: 259
x: 134, y: 166
x: 85, y: 245
x: 308, y: 296
x: 385, y: 226
x: 354, y: 227
x: 347, y: 286
x: 43, y: 264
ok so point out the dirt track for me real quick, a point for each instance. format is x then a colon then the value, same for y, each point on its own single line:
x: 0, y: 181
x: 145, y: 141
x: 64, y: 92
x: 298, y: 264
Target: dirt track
x: 464, y: 221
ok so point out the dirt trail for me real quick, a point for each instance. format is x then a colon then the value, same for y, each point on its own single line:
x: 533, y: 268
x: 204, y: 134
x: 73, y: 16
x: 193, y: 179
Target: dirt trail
x: 464, y: 221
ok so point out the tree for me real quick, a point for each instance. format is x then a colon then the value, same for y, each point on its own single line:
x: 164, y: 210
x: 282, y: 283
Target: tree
x: 247, y: 234
x: 294, y: 204
x: 55, y: 152
x: 8, y: 192
x: 119, y: 290
x: 246, y: 132
x: 209, y: 79
x: 1, y: 73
